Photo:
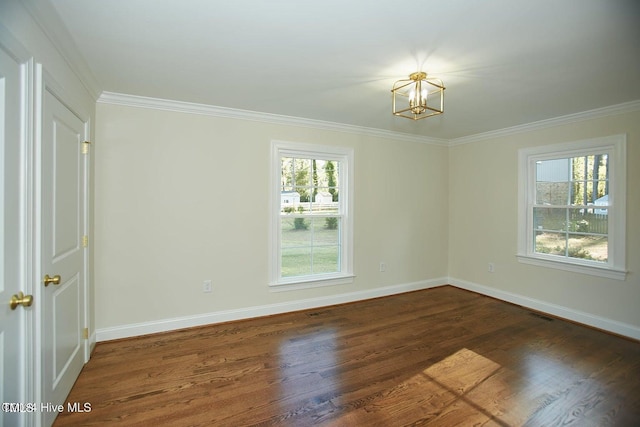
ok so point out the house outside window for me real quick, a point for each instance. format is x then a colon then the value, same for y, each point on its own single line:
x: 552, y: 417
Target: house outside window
x: 311, y: 215
x: 572, y: 206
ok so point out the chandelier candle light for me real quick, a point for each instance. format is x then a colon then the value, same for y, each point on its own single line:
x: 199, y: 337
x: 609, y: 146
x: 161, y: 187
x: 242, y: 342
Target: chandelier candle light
x: 418, y: 97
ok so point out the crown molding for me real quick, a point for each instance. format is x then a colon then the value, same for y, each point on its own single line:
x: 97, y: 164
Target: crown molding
x: 627, y: 107
x: 233, y: 113
x: 47, y: 19
x: 13, y: 46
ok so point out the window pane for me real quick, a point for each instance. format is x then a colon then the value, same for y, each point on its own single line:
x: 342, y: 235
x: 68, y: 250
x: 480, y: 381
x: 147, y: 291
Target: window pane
x: 578, y: 193
x: 579, y: 168
x: 326, y: 245
x: 589, y: 192
x: 326, y: 231
x: 331, y: 176
x: 590, y: 175
x: 552, y: 193
x: 296, y: 261
x: 589, y: 247
x: 310, y: 245
x: 549, y: 219
x: 303, y: 176
x: 554, y: 170
x: 323, y: 201
x: 586, y: 221
x: 577, y: 221
x: 326, y: 259
x: 598, y: 221
x: 305, y: 207
x: 582, y: 192
x: 286, y: 168
x: 295, y: 232
x: 552, y: 182
x: 289, y: 200
x: 551, y: 243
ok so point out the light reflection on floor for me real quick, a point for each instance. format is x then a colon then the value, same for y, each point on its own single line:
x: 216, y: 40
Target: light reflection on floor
x: 442, y: 390
x: 306, y: 364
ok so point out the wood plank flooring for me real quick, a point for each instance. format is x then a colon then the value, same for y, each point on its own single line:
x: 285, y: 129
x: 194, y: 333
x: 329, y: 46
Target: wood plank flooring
x: 439, y: 357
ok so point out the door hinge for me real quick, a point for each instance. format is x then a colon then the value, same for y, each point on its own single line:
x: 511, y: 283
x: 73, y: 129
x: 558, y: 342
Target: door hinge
x: 85, y: 241
x: 85, y: 147
x: 85, y: 333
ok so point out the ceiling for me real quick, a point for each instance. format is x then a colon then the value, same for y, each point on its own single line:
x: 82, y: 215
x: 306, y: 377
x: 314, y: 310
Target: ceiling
x: 505, y: 63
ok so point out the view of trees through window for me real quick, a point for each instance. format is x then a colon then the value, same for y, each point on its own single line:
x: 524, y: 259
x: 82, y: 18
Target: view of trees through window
x: 310, y: 216
x: 571, y: 209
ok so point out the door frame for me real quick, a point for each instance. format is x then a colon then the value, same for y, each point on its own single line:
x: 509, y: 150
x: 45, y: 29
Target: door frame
x: 32, y: 347
x: 26, y: 230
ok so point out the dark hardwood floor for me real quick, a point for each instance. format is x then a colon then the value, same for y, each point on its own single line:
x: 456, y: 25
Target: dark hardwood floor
x: 439, y: 357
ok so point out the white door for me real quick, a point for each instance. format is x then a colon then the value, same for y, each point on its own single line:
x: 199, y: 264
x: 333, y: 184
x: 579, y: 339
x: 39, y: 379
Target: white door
x: 12, y: 321
x: 62, y: 252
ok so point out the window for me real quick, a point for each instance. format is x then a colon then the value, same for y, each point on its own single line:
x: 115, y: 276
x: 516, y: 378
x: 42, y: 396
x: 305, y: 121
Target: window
x: 311, y: 215
x: 572, y: 206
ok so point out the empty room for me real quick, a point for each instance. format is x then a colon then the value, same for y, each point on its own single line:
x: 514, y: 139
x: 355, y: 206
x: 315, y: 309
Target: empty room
x: 320, y: 213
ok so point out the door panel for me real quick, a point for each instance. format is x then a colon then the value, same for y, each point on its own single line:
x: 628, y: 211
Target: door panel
x: 66, y: 324
x: 63, y: 213
x: 12, y: 322
x: 66, y: 190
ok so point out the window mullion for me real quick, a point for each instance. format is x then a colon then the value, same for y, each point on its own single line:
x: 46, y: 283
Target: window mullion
x: 566, y: 232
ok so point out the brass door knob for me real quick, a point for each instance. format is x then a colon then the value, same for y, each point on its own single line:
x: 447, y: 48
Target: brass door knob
x: 48, y: 280
x: 20, y: 299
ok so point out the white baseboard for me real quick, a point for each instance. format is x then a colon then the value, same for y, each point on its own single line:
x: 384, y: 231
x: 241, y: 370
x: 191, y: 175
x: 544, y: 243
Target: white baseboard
x: 90, y: 346
x: 164, y: 325
x: 602, y: 323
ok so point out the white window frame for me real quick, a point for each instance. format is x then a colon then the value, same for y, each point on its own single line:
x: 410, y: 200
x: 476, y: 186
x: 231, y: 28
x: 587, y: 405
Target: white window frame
x: 615, y: 147
x: 344, y: 156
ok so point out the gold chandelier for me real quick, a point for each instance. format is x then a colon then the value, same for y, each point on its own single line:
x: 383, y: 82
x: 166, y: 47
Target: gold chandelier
x: 418, y: 97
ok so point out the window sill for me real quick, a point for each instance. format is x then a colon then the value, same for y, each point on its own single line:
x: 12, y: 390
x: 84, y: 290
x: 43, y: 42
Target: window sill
x: 313, y: 282
x: 575, y: 267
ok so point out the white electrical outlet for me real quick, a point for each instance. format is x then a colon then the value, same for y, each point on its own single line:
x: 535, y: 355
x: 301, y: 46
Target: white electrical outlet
x: 206, y: 286
x: 383, y: 267
x: 492, y: 267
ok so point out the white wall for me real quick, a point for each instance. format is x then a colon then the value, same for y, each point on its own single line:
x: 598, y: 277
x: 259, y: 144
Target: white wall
x: 483, y: 179
x: 181, y: 198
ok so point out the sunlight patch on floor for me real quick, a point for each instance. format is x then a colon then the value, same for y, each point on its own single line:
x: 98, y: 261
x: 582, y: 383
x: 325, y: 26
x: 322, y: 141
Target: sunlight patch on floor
x: 447, y: 391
